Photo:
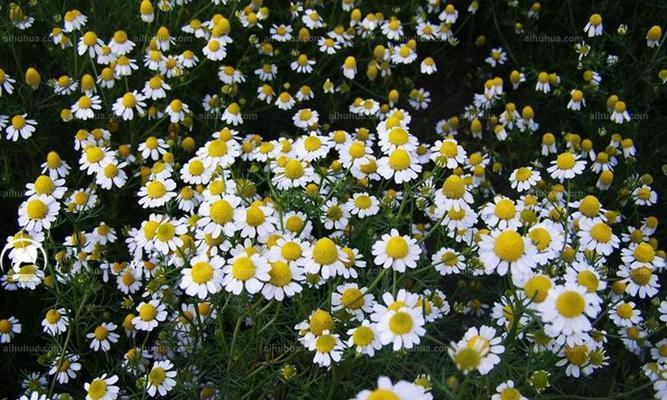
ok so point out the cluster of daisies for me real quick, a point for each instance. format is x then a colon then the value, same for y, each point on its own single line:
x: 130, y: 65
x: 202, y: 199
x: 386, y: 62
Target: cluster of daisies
x: 373, y: 220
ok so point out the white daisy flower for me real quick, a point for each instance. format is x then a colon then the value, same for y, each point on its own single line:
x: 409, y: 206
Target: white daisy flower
x: 403, y: 327
x: 150, y: 314
x: 246, y: 271
x: 160, y: 380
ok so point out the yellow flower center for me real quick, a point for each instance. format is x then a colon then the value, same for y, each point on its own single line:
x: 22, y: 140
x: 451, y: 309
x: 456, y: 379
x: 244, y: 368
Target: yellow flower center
x: 540, y: 238
x: 129, y: 101
x: 644, y: 252
x: 565, y: 161
x: 97, y: 389
x: 505, y: 209
x: 44, y: 185
x: 202, y: 272
x: 320, y: 321
x: 537, y: 288
x: 570, y: 304
x: 398, y: 136
x: 254, y: 216
x: 243, y: 268
x: 5, y: 326
x: 101, y: 333
x: 280, y: 274
x: 601, y: 232
x: 312, y: 143
x: 523, y: 174
x: 357, y: 149
x: 363, y: 202
x: 325, y: 252
x: 397, y: 247
x: 577, y: 355
x: 147, y: 312
x: 399, y: 160
x: 156, y: 189
x: 293, y: 169
x: 383, y: 394
x: 294, y: 224
x: 291, y: 251
x: 400, y: 323
x: 509, y: 246
x: 510, y: 394
x: 157, y: 376
x: 94, y: 154
x: 352, y: 298
x: 221, y: 212
x: 325, y: 343
x: 467, y: 359
x: 196, y: 167
x: 36, y: 209
x: 363, y: 336
x: 624, y: 311
x: 588, y: 280
x: 641, y: 276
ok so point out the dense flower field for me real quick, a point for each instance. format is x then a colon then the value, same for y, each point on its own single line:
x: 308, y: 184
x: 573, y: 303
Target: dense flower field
x: 349, y: 199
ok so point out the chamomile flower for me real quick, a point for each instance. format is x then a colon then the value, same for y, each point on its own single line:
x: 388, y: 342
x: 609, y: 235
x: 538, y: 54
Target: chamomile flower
x: 245, y: 271
x: 402, y: 327
x: 156, y: 193
x: 640, y: 281
x: 255, y: 220
x: 204, y: 277
x: 9, y: 327
x: 447, y: 261
x: 401, y: 165
x: 507, y: 251
x: 567, y: 309
x: 284, y: 277
x: 150, y: 314
x: 102, y: 388
x: 103, y: 336
x: 120, y: 44
x: 396, y: 251
x: 130, y: 103
x: 325, y: 257
x: 292, y: 173
x: 594, y: 26
x: 65, y: 368
x: 566, y: 166
x: 363, y: 205
x: 479, y: 349
x: 20, y: 126
x: 55, y: 321
x: 598, y: 236
x: 401, y: 390
x: 524, y: 178
x: 353, y: 300
x: 160, y: 379
x: 85, y: 107
x: 506, y: 390
x: 38, y: 213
